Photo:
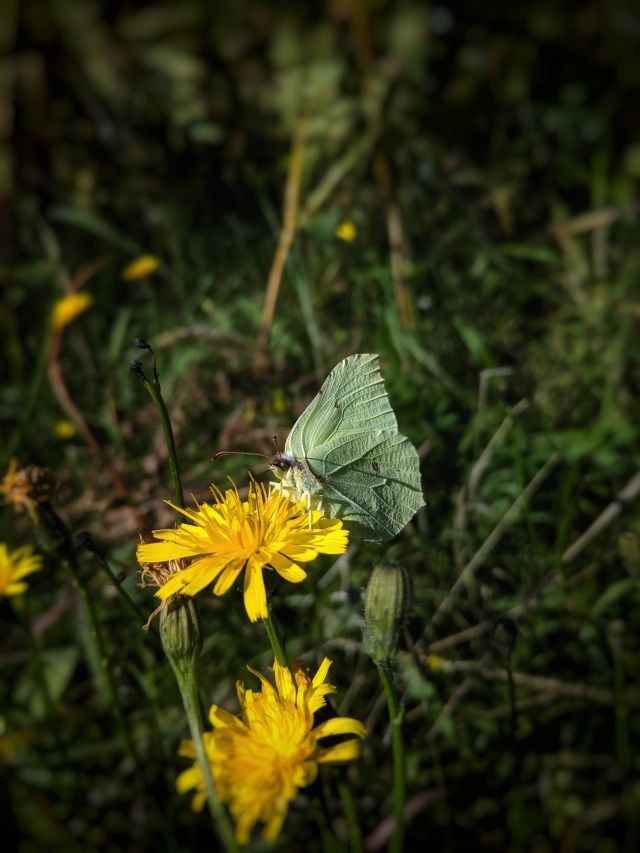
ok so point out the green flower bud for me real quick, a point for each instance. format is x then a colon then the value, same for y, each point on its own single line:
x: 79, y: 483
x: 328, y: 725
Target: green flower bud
x: 387, y: 601
x: 181, y: 634
x: 505, y: 632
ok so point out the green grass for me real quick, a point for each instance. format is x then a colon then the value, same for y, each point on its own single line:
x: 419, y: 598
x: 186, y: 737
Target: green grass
x: 503, y: 146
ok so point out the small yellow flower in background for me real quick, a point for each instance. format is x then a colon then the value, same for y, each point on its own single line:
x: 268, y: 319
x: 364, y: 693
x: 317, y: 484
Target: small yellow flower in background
x: 14, y: 567
x: 347, y: 231
x: 435, y: 663
x: 265, y: 532
x: 64, y: 429
x: 66, y: 309
x: 25, y: 488
x: 261, y: 758
x: 140, y: 267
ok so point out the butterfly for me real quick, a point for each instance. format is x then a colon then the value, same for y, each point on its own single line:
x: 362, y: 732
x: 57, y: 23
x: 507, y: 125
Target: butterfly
x: 345, y: 455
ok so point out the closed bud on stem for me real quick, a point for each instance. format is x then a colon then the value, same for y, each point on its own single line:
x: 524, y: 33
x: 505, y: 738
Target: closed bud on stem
x: 387, y: 602
x: 181, y: 634
x: 505, y: 633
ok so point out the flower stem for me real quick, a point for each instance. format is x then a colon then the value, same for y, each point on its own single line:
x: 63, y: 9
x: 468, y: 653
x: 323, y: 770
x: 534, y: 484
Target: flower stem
x: 277, y: 644
x: 355, y: 834
x: 22, y: 610
x: 156, y: 395
x: 189, y: 691
x: 135, y: 609
x: 105, y: 682
x: 399, y: 772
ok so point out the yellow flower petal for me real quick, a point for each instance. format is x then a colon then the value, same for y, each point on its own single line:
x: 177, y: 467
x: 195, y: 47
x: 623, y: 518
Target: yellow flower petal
x: 140, y: 267
x: 347, y: 231
x: 64, y: 429
x: 14, y: 567
x: 66, y: 310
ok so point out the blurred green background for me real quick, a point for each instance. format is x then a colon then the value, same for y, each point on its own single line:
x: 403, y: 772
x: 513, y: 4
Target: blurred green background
x: 455, y: 187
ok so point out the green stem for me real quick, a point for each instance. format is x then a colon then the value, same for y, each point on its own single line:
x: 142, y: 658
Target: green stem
x: 399, y: 773
x: 277, y: 644
x: 623, y: 750
x: 35, y: 643
x: 124, y: 593
x: 355, y: 834
x: 56, y: 538
x: 156, y: 395
x: 189, y: 690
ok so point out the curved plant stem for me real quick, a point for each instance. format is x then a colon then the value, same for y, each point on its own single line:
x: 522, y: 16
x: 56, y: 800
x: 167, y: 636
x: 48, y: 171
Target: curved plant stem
x: 399, y: 773
x: 156, y: 395
x: 189, y: 691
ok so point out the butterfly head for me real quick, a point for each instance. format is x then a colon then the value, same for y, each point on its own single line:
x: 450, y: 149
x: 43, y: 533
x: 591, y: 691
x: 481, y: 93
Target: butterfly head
x: 283, y: 462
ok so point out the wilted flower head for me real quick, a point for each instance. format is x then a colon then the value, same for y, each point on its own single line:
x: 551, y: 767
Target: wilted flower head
x: 262, y: 757
x: 267, y: 532
x: 25, y: 488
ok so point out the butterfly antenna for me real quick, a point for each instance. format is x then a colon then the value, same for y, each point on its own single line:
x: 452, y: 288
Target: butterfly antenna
x: 222, y: 453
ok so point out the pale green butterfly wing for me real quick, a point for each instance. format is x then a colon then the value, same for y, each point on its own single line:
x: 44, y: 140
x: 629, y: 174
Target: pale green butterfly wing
x: 352, y: 402
x: 350, y: 454
x: 379, y: 493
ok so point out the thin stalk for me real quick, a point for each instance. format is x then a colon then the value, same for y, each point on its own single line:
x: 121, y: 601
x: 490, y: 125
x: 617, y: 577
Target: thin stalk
x: 32, y: 397
x: 107, y: 688
x: 156, y: 395
x: 512, y: 703
x: 22, y: 611
x: 621, y: 710
x: 189, y: 691
x: 353, y: 824
x: 95, y: 649
x: 135, y: 609
x: 399, y: 772
x: 277, y: 644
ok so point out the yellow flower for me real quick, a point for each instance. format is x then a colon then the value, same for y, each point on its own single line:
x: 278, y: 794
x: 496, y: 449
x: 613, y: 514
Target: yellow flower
x: 435, y: 663
x: 267, y: 531
x: 140, y: 267
x: 25, y: 488
x: 14, y: 567
x: 64, y: 429
x: 66, y: 310
x: 261, y: 758
x: 347, y: 231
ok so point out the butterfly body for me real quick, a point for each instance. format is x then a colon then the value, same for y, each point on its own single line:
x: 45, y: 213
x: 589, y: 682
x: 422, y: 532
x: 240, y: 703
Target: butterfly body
x: 346, y: 456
